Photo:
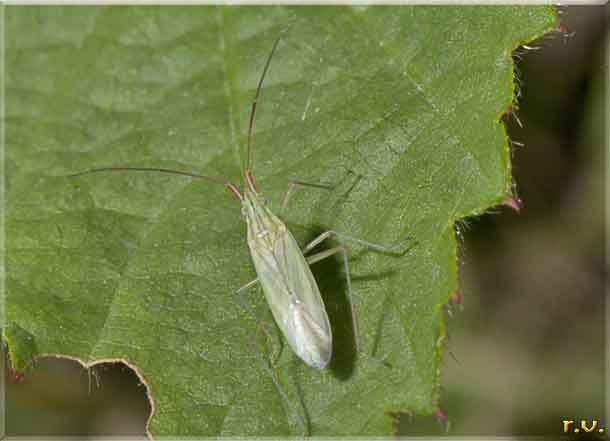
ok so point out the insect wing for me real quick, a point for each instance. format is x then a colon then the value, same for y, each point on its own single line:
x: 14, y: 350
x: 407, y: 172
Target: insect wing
x: 292, y: 294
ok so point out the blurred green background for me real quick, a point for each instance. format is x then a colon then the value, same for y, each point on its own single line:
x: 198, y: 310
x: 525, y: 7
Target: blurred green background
x: 530, y: 340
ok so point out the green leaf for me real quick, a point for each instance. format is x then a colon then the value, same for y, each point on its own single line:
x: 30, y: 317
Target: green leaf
x: 398, y: 108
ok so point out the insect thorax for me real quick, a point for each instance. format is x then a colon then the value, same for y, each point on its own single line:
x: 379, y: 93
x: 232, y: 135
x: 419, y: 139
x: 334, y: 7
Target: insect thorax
x: 263, y: 226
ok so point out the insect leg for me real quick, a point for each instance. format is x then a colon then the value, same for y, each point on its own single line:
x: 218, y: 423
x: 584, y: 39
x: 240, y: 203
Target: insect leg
x: 348, y: 280
x: 394, y: 248
x: 248, y: 285
x: 280, y: 390
x: 277, y: 349
x: 341, y: 249
x: 292, y: 184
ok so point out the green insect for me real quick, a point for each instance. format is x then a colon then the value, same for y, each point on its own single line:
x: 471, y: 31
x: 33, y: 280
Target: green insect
x: 282, y: 267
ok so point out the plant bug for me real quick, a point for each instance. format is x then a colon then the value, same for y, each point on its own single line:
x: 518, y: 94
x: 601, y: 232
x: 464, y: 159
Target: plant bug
x: 282, y: 267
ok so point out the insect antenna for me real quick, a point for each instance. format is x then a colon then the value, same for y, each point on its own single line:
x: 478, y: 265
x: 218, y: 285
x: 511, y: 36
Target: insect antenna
x: 248, y: 173
x: 215, y: 180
